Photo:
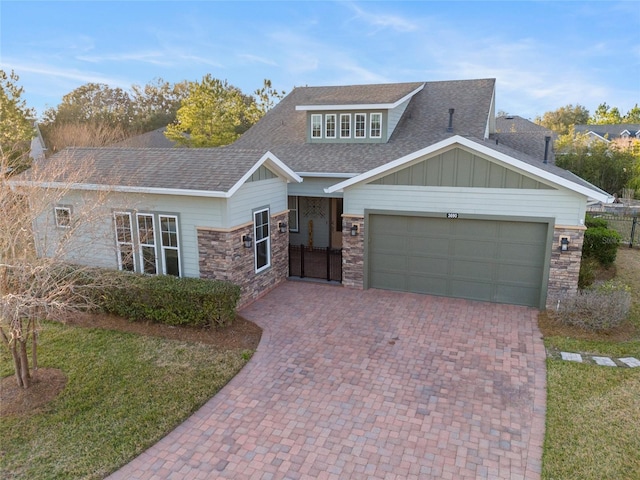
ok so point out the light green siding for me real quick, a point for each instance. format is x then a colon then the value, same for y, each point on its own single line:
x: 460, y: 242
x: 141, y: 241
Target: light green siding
x: 460, y: 168
x: 272, y: 193
x: 262, y: 173
x: 395, y: 115
x: 313, y: 187
x: 483, y: 259
x: 566, y: 207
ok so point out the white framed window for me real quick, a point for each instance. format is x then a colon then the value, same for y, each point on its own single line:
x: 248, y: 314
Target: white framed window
x: 293, y: 213
x: 124, y: 241
x: 262, y: 243
x: 147, y: 251
x: 360, y: 127
x: 316, y: 126
x: 169, y: 245
x: 345, y: 125
x: 330, y: 125
x: 62, y: 216
x: 375, y: 125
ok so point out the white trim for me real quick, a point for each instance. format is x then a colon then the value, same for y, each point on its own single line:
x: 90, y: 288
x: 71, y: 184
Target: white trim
x: 465, y: 142
x: 335, y: 125
x: 268, y: 159
x: 341, y: 117
x: 597, y: 136
x: 141, y: 245
x: 359, y: 106
x: 164, y: 247
x: 379, y: 114
x: 266, y: 240
x: 355, y: 122
x: 316, y: 115
x: 119, y: 243
x: 68, y: 217
x: 327, y: 175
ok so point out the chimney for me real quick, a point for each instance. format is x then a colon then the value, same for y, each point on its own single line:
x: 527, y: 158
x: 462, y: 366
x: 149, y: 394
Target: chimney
x: 450, y: 128
x: 547, y: 139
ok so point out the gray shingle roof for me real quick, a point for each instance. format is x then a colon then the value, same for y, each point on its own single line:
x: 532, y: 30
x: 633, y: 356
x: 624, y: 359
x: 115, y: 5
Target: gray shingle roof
x: 525, y: 136
x: 611, y: 131
x: 152, y: 139
x: 357, y: 95
x: 425, y: 121
x: 210, y: 169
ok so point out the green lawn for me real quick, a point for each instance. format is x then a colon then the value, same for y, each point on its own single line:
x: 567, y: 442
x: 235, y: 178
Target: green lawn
x: 593, y: 412
x: 124, y: 393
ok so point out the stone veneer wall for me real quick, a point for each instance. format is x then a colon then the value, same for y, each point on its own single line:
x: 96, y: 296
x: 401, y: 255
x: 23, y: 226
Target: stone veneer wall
x: 564, y: 266
x: 353, y: 253
x: 222, y: 256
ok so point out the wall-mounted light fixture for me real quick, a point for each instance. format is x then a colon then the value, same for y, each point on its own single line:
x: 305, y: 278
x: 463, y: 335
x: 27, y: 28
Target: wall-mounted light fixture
x: 354, y: 230
x: 247, y: 241
x: 564, y: 244
x: 282, y: 227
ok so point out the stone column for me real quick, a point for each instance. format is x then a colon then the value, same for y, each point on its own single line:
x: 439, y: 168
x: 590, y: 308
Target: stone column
x: 222, y: 256
x: 565, y: 266
x: 353, y: 252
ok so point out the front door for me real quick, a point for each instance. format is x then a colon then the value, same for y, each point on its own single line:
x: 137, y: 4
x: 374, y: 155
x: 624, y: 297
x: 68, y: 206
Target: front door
x: 336, y: 223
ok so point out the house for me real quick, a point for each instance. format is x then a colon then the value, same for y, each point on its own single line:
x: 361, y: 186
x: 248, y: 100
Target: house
x: 406, y: 181
x: 623, y: 135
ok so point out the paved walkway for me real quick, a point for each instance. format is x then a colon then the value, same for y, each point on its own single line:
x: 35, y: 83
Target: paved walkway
x: 370, y: 385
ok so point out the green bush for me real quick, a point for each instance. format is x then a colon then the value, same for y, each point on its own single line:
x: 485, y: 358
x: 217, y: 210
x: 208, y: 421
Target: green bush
x: 599, y: 308
x: 602, y: 244
x: 595, y: 222
x: 169, y: 300
x: 587, y: 274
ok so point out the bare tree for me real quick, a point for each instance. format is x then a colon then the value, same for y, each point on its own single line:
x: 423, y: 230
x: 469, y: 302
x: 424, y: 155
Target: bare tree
x: 81, y: 134
x: 36, y: 279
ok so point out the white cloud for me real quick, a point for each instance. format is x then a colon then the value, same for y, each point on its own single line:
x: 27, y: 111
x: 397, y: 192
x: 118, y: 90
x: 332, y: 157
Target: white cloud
x: 383, y: 20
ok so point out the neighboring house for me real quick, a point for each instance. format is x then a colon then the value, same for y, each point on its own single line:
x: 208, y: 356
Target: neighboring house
x: 37, y: 148
x: 152, y: 139
x: 406, y: 180
x: 624, y: 135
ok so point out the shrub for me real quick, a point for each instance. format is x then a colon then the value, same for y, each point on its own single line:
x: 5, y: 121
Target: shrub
x: 169, y: 300
x: 587, y: 274
x: 602, y: 244
x: 595, y: 222
x: 599, y: 308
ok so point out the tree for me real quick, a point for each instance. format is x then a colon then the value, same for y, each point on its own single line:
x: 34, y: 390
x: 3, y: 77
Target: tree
x: 82, y: 134
x: 610, y: 168
x: 633, y: 115
x: 215, y: 113
x: 156, y: 104
x: 35, y: 281
x: 563, y: 118
x: 16, y: 127
x: 605, y: 115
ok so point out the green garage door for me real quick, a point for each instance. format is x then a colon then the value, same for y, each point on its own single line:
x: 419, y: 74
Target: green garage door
x: 490, y: 260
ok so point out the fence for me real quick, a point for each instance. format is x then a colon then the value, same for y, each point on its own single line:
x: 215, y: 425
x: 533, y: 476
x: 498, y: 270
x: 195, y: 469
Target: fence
x: 625, y: 225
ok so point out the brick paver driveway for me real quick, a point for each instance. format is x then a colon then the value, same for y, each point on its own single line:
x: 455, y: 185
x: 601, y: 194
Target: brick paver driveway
x: 370, y: 384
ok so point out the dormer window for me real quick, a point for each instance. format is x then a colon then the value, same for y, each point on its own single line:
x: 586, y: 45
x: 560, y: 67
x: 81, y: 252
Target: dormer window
x: 345, y: 125
x: 316, y: 126
x: 330, y: 125
x: 375, y: 125
x: 360, y: 129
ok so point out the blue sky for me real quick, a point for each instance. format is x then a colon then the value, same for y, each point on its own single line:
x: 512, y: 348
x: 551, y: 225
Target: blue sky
x: 544, y: 55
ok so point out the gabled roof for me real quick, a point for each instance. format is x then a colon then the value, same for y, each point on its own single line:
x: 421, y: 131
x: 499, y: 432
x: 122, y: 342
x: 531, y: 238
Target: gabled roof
x: 209, y: 172
x: 504, y: 154
x: 609, y: 131
x: 353, y: 97
x: 152, y: 139
x: 424, y: 122
x: 525, y: 136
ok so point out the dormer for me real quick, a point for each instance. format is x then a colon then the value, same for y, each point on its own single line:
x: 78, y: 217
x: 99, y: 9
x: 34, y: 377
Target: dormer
x: 357, y: 114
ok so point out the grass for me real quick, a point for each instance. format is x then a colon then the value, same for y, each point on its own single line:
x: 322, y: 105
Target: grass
x: 593, y: 412
x: 124, y: 393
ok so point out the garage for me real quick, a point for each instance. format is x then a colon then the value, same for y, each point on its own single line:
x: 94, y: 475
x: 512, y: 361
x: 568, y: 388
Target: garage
x: 500, y: 260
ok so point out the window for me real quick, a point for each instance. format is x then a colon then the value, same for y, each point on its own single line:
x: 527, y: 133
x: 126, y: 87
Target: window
x: 63, y: 217
x: 316, y: 126
x: 330, y: 125
x: 345, y: 125
x: 124, y: 241
x: 169, y: 245
x: 147, y: 243
x: 360, y: 125
x: 262, y: 244
x: 375, y: 129
x: 293, y: 214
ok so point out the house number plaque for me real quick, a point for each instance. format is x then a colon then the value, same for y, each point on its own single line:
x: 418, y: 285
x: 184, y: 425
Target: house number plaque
x: 452, y: 215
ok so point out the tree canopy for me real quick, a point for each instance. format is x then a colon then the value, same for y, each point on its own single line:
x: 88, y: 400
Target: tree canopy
x: 216, y: 113
x: 16, y: 125
x: 563, y: 118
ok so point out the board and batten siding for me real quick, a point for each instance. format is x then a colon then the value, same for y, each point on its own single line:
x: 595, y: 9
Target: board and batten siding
x: 566, y: 207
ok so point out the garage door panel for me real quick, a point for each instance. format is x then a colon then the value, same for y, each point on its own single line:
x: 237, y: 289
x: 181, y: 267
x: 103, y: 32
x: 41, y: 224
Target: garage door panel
x: 432, y: 265
x: 489, y: 260
x: 436, y: 285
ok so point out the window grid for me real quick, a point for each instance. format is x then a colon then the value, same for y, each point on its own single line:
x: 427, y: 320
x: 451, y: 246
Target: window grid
x: 124, y: 241
x: 316, y: 126
x: 330, y: 125
x: 360, y: 125
x: 293, y: 213
x: 169, y: 245
x: 147, y: 243
x: 345, y: 125
x: 375, y: 129
x: 63, y: 217
x: 262, y: 243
